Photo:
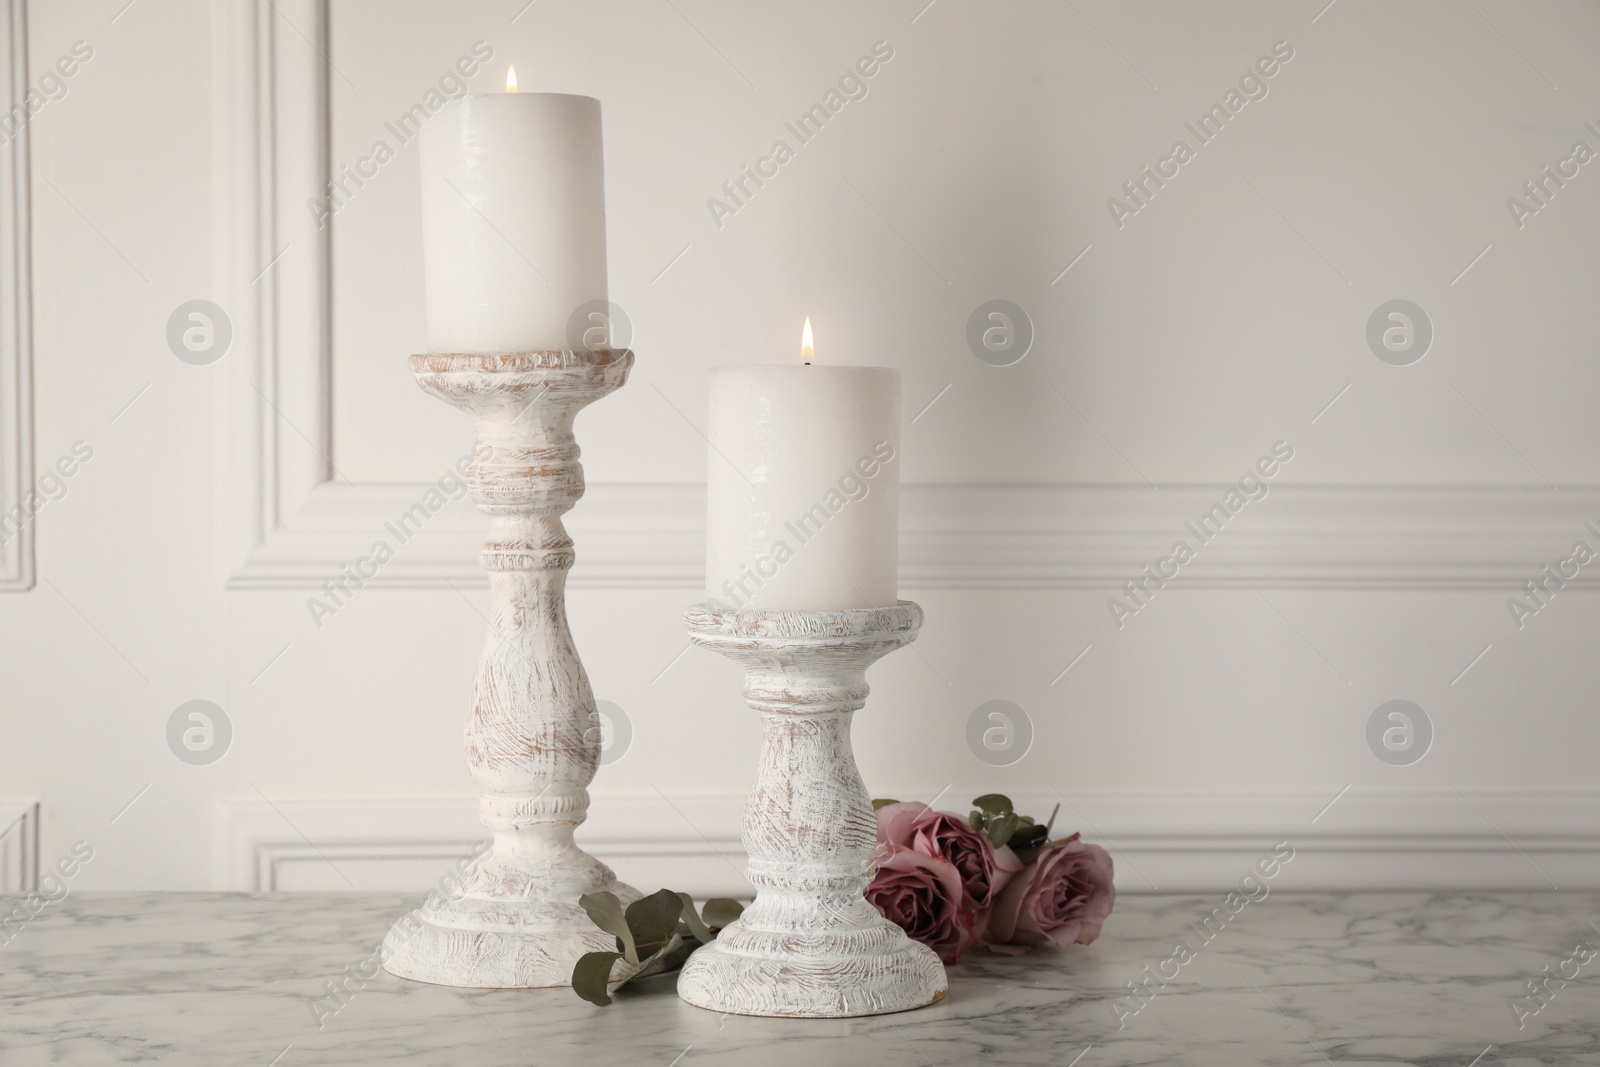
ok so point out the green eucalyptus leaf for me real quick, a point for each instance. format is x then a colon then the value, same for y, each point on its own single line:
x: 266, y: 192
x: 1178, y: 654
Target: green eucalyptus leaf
x: 605, y: 911
x: 1052, y: 822
x: 876, y: 804
x: 650, y: 965
x: 1001, y: 827
x: 672, y: 958
x: 994, y: 804
x: 691, y: 919
x: 720, y: 911
x: 1028, y: 837
x: 976, y: 821
x: 654, y: 918
x: 592, y: 972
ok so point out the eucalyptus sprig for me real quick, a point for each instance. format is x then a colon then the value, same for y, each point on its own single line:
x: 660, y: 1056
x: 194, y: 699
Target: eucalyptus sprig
x: 654, y: 934
x: 995, y: 817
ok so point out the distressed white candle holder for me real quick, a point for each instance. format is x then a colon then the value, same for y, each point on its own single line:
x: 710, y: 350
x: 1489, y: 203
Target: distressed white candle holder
x: 810, y: 946
x: 532, y: 736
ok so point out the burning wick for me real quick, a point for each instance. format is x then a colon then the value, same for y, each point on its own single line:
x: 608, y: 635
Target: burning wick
x: 808, y: 351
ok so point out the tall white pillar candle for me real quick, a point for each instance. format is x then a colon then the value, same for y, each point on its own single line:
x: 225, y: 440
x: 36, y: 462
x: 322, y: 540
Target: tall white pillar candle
x: 804, y: 487
x: 513, y: 220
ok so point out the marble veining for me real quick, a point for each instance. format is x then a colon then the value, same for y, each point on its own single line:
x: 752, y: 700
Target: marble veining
x: 232, y: 979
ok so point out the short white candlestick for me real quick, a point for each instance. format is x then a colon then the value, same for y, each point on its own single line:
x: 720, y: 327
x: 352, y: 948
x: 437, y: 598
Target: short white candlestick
x: 532, y: 736
x: 811, y: 946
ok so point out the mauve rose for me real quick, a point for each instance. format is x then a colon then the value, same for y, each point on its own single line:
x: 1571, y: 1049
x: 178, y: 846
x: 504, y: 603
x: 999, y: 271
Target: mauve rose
x: 922, y: 895
x: 984, y: 869
x: 1062, y: 896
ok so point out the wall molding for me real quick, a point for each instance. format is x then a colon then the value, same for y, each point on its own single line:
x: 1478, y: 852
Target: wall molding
x: 16, y: 303
x: 1019, y: 537
x: 19, y: 846
x: 287, y: 524
x: 1174, y: 843
x: 690, y: 842
x: 270, y: 136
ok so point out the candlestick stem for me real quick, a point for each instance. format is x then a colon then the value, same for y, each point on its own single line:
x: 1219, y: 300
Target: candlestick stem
x: 532, y: 736
x: 811, y: 945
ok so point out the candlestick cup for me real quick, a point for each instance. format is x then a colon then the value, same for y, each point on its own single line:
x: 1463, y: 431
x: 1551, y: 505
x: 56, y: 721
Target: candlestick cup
x: 532, y: 737
x: 811, y: 945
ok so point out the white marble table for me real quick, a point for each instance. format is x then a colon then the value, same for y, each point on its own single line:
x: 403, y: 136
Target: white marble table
x: 225, y: 979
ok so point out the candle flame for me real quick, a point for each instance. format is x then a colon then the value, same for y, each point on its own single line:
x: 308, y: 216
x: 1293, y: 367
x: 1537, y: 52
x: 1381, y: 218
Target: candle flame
x: 511, y: 79
x: 807, y: 349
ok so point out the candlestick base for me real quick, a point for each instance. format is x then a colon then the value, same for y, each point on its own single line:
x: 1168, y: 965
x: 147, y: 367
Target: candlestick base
x: 810, y: 946
x: 478, y: 940
x: 532, y: 736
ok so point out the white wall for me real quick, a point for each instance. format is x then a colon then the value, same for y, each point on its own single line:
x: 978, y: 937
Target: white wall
x: 1219, y: 319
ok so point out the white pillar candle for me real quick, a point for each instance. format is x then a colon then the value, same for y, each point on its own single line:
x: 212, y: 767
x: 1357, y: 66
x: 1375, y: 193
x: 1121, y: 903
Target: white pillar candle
x: 513, y: 220
x: 804, y: 487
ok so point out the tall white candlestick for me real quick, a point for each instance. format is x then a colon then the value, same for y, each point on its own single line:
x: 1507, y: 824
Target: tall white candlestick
x: 513, y: 220
x: 804, y: 488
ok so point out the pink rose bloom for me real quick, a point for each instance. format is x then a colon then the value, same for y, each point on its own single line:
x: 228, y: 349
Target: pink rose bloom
x: 922, y: 895
x: 984, y: 869
x: 1061, y: 897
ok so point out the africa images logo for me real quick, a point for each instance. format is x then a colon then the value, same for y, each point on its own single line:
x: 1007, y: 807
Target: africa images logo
x: 852, y: 86
x: 1252, y: 486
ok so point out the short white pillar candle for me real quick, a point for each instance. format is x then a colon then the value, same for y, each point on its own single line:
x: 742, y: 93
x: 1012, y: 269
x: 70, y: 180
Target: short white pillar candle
x: 804, y: 487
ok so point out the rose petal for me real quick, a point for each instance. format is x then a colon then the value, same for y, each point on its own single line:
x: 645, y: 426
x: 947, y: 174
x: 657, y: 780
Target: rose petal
x: 897, y: 821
